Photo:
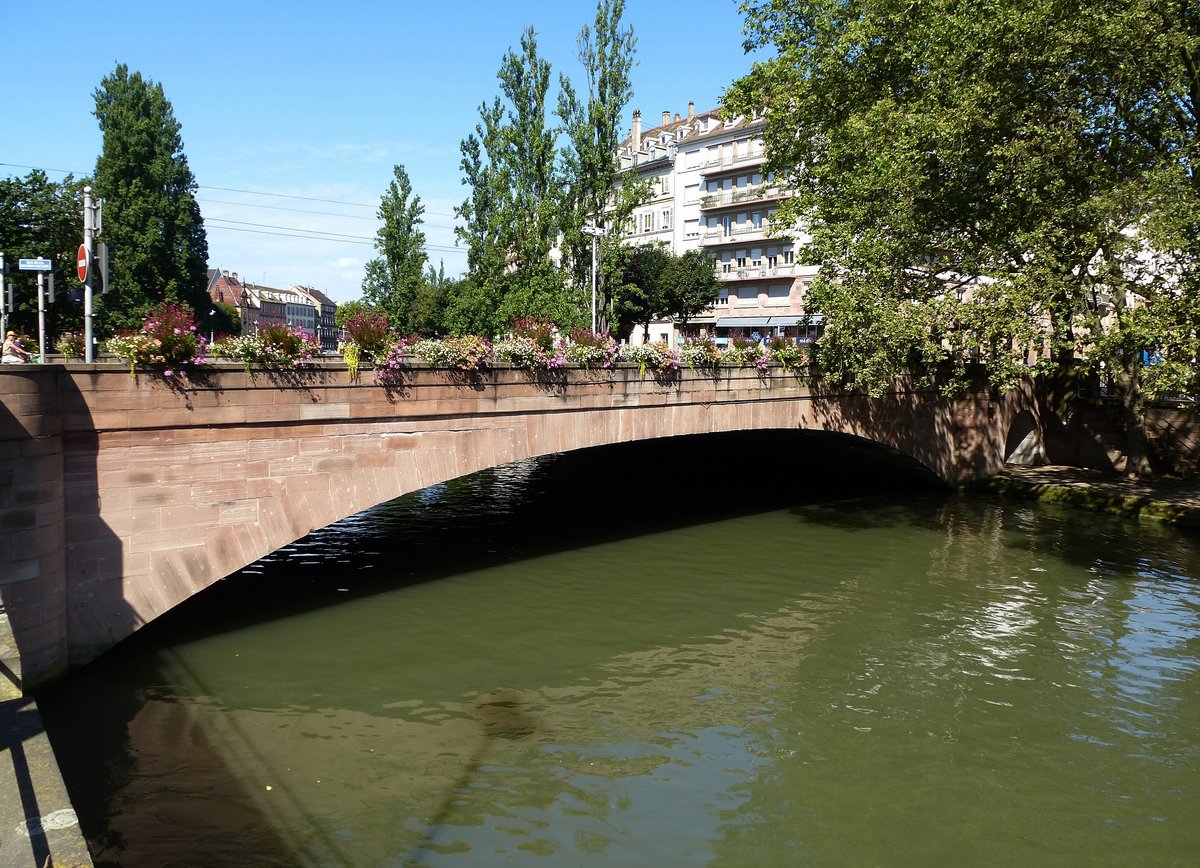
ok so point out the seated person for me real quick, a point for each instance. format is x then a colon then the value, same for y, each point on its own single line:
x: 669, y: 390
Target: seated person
x: 14, y: 353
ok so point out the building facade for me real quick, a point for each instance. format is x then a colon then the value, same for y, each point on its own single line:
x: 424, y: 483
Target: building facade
x: 301, y: 308
x: 709, y: 191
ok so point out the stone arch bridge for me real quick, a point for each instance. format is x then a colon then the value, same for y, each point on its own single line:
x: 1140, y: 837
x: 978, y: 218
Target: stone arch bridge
x: 122, y: 496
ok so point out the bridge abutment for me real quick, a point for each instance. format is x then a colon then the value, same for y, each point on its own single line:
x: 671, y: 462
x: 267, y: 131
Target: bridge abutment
x: 33, y: 539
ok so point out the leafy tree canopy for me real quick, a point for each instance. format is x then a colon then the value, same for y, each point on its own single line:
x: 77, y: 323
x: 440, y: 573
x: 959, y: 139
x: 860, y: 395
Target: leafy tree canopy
x: 1040, y: 157
x: 595, y: 190
x: 511, y: 216
x: 152, y: 222
x: 395, y: 278
x: 42, y: 218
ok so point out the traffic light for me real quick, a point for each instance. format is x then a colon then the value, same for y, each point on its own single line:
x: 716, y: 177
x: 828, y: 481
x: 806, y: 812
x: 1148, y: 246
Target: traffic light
x: 102, y: 256
x: 5, y: 266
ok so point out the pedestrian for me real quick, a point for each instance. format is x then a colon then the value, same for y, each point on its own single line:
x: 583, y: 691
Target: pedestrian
x: 14, y: 353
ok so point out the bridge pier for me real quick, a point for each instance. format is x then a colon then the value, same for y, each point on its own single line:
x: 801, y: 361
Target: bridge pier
x: 33, y: 539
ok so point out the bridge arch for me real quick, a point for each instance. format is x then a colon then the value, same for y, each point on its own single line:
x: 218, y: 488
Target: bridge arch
x: 146, y: 494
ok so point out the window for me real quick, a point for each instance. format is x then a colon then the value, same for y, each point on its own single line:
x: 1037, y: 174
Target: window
x: 723, y: 297
x: 665, y: 222
x: 726, y: 225
x: 778, y: 295
x: 756, y: 220
x: 648, y: 222
x: 665, y: 184
x: 741, y: 262
x: 789, y: 257
x: 756, y: 263
x: 772, y: 260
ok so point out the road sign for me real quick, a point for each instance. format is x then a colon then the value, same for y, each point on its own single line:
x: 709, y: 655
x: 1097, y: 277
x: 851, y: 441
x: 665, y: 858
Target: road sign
x: 36, y: 264
x: 83, y: 264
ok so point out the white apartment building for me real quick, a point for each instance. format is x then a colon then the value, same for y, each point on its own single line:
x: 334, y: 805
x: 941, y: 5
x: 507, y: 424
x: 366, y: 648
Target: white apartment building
x: 710, y: 192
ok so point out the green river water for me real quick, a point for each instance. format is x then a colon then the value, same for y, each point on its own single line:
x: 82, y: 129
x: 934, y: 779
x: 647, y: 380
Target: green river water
x: 765, y: 670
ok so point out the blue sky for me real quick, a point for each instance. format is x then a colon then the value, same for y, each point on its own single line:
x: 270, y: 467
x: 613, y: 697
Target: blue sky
x: 293, y: 115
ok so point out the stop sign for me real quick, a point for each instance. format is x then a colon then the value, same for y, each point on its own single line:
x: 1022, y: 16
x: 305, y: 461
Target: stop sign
x: 83, y: 264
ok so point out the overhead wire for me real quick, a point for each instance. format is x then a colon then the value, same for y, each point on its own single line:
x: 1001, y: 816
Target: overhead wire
x: 252, y: 193
x: 285, y: 231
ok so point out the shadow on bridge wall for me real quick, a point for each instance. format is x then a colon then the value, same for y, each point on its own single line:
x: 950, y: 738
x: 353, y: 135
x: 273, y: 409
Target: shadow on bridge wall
x: 48, y: 483
x: 967, y: 438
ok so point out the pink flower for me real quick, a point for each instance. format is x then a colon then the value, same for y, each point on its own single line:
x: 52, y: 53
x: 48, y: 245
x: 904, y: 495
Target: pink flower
x: 168, y: 373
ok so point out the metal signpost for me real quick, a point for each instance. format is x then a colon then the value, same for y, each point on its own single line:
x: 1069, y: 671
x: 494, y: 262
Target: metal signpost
x: 85, y: 269
x: 6, y: 306
x: 41, y: 266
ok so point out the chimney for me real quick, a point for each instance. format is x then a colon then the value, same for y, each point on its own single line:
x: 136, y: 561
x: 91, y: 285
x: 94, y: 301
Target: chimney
x: 234, y: 276
x: 635, y: 137
x: 676, y: 117
x: 666, y: 118
x: 691, y: 110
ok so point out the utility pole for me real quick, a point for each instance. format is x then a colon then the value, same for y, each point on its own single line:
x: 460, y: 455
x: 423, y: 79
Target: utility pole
x: 595, y: 231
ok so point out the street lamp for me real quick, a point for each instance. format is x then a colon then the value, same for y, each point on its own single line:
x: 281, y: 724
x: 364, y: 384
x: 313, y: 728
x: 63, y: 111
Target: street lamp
x: 211, y: 314
x: 595, y: 231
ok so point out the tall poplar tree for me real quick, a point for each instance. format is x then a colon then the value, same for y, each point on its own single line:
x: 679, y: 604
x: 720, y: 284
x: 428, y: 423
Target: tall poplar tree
x: 596, y: 191
x: 511, y: 215
x: 394, y: 279
x: 152, y: 222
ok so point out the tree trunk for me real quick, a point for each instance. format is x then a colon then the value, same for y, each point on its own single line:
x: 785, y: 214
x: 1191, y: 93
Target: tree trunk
x: 1137, y: 462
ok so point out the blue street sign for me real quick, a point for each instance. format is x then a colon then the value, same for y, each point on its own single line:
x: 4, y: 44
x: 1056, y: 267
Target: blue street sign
x: 36, y: 265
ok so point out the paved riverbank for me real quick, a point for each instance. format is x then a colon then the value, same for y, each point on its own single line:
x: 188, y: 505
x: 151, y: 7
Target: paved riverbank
x: 1175, y: 501
x: 38, y: 826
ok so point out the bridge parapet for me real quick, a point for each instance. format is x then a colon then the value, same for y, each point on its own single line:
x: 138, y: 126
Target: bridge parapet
x: 129, y: 494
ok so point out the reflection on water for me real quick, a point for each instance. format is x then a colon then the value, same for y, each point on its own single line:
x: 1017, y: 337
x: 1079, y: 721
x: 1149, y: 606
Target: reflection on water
x: 926, y: 680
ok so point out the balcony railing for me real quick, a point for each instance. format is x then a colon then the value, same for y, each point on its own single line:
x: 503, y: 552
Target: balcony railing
x: 788, y: 270
x: 746, y: 233
x: 727, y: 162
x: 758, y: 193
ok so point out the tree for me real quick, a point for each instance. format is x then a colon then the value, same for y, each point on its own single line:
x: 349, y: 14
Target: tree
x: 429, y: 307
x: 596, y: 191
x: 511, y: 216
x: 639, y: 297
x: 152, y: 222
x: 42, y: 218
x: 689, y: 285
x: 394, y: 279
x: 347, y: 309
x: 1041, y: 158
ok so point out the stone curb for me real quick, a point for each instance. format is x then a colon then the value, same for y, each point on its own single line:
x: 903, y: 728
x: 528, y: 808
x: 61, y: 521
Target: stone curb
x: 1171, y: 502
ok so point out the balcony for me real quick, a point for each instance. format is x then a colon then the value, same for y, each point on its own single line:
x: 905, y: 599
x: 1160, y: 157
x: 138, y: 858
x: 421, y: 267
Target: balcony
x: 759, y: 273
x: 739, y: 235
x: 715, y: 166
x: 725, y: 198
